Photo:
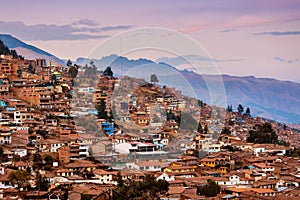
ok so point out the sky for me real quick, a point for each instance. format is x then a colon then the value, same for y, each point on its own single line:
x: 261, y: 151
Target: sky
x: 245, y: 38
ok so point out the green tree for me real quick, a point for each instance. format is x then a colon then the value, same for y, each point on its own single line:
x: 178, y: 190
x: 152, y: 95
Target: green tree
x: 264, y: 134
x: 120, y: 182
x: 73, y: 71
x: 149, y: 188
x: 101, y: 108
x: 153, y: 78
x: 37, y: 161
x: 108, y: 72
x: 1, y: 154
x: 205, y: 129
x: 187, y: 122
x: 19, y: 178
x: 42, y: 183
x: 69, y: 63
x: 211, y: 189
x: 248, y: 112
x: 240, y: 109
x: 199, y: 129
x: 226, y: 131
x: 4, y: 49
x: 31, y: 69
x: 229, y: 108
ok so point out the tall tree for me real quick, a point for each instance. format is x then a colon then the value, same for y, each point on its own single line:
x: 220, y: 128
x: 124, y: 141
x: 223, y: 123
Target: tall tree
x: 42, y: 183
x: 229, y: 108
x: 73, y: 71
x: 248, y: 112
x: 19, y: 178
x: 199, y: 129
x: 69, y: 63
x: 205, y: 129
x: 101, y: 108
x: 264, y: 134
x: 153, y: 78
x: 211, y: 189
x: 108, y: 72
x: 240, y: 109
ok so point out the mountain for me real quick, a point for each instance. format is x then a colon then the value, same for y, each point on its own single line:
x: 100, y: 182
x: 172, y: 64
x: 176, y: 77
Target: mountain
x: 266, y: 97
x: 28, y: 51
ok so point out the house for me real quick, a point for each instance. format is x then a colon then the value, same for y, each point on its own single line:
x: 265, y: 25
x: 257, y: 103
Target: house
x: 258, y: 148
x: 234, y: 181
x: 263, y: 167
x: 104, y: 176
x: 166, y: 176
x: 4, y: 181
x: 176, y: 169
x: 146, y: 166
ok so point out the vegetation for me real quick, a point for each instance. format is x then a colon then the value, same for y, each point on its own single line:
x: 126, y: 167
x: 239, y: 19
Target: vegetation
x: 42, y: 183
x: 211, y: 189
x: 101, y: 108
x: 226, y: 131
x: 108, y: 72
x: 149, y: 188
x: 240, y: 109
x: 248, y: 112
x: 6, y: 51
x: 229, y: 108
x: 19, y: 178
x: 153, y: 78
x: 73, y: 71
x: 264, y: 134
x: 187, y: 122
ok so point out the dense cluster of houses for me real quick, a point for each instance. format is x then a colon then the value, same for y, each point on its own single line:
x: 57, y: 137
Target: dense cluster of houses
x: 41, y: 110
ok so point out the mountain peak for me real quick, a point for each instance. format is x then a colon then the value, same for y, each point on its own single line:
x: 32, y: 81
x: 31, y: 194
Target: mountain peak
x: 28, y: 51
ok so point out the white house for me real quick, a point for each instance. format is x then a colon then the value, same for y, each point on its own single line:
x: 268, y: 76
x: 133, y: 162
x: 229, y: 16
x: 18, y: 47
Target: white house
x: 166, y: 176
x: 145, y: 166
x: 263, y: 167
x: 258, y: 148
x: 104, y: 176
x: 234, y: 181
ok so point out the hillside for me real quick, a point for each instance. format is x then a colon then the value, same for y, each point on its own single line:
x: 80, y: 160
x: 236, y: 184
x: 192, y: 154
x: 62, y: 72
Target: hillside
x: 269, y: 98
x: 28, y: 51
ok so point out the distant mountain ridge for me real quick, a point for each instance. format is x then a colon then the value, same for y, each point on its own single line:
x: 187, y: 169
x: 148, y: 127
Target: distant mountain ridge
x: 266, y: 97
x: 28, y: 51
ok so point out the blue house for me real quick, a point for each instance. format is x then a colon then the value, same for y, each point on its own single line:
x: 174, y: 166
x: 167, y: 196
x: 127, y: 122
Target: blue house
x: 3, y: 103
x: 108, y: 128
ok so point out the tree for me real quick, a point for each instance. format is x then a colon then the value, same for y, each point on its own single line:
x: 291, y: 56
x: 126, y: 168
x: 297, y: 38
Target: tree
x: 42, y: 183
x: 187, y: 122
x: 229, y: 108
x: 149, y: 188
x: 248, y: 112
x: 31, y: 69
x: 1, y: 154
x: 153, y: 79
x: 108, y: 72
x: 205, y: 129
x: 240, y: 109
x: 37, y: 161
x: 19, y: 178
x: 199, y: 129
x: 120, y: 182
x: 4, y: 49
x: 69, y: 63
x: 264, y: 134
x: 101, y: 108
x: 211, y: 189
x: 73, y: 71
x: 226, y: 131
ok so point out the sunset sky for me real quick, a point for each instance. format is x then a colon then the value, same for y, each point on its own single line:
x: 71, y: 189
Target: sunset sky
x: 255, y: 37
